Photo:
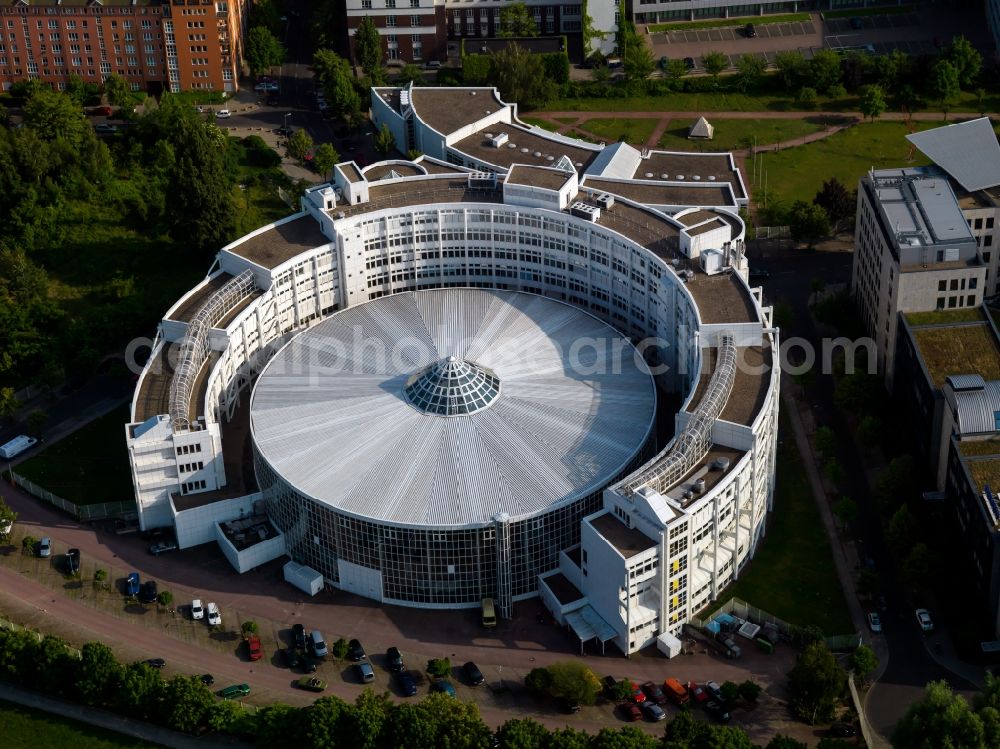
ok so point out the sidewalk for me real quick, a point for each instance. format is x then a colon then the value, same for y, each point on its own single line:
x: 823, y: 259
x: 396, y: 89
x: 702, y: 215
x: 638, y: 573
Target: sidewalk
x: 111, y: 722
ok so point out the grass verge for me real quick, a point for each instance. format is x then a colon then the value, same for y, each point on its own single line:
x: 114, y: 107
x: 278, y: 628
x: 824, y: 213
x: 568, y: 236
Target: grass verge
x: 538, y: 122
x: 89, y: 466
x: 632, y: 131
x: 728, y: 22
x: 26, y: 727
x: 736, y: 134
x: 793, y: 575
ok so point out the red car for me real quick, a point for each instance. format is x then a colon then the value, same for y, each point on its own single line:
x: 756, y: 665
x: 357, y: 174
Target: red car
x: 103, y: 111
x: 256, y: 652
x: 631, y: 711
x: 698, y: 693
x: 638, y: 696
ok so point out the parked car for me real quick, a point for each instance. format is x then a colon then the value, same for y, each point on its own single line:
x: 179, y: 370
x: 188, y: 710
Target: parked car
x: 162, y: 547
x: 652, y: 711
x: 355, y: 651
x: 223, y: 114
x: 299, y: 636
x: 654, y: 693
x: 317, y: 644
x: 311, y: 683
x: 102, y: 111
x: 197, y: 610
x: 308, y: 664
x: 407, y: 684
x: 72, y: 561
x: 433, y: 65
x: 843, y: 731
x: 759, y: 274
x: 473, y: 674
x: 148, y: 592
x: 638, y: 696
x: 45, y: 547
x: 155, y: 662
x: 569, y: 706
x: 924, y: 620
x: 717, y: 710
x: 874, y: 622
x: 697, y: 692
x: 132, y: 584
x: 253, y: 645
x: 207, y: 679
x: 272, y: 100
x: 394, y: 659
x: 689, y: 62
x: 235, y: 691
x: 630, y: 711
x: 445, y: 686
x: 609, y: 683
x: 287, y: 132
x: 364, y: 672
x: 749, y: 31
x: 103, y: 128
x: 214, y: 617
x: 715, y: 692
x: 291, y: 657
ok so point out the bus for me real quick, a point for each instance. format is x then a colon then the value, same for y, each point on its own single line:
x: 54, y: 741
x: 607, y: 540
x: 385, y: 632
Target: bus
x: 489, y: 613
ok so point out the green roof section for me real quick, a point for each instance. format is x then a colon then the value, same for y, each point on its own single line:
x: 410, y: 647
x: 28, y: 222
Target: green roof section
x: 944, y: 317
x: 958, y: 349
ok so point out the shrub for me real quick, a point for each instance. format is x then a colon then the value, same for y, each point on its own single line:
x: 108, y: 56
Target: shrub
x: 249, y: 627
x: 28, y: 544
x: 730, y: 691
x: 340, y: 648
x: 538, y: 681
x: 165, y: 598
x: 749, y: 690
x: 439, y: 667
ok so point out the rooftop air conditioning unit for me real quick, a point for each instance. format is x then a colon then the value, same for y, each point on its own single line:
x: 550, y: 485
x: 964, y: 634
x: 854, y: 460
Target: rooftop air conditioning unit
x: 721, y: 464
x: 498, y: 140
x: 483, y: 179
x: 699, y: 486
x: 711, y: 262
x: 585, y: 211
x: 605, y: 200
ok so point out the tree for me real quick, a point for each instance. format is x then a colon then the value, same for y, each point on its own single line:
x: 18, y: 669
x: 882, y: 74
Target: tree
x: 116, y: 90
x: 340, y: 648
x: 8, y: 402
x: 516, y: 20
x: 249, y: 627
x: 872, y: 101
x: 334, y: 75
x: 807, y: 97
x: 836, y: 200
x: 439, y: 667
x: 903, y: 530
x: 299, y: 145
x: 100, y: 578
x: 140, y: 692
x: 476, y: 69
x: 28, y: 544
x: 750, y: 690
x: 826, y: 441
x: 941, y: 719
x: 573, y: 682
x: 326, y: 722
x: 622, y: 690
x: 365, y: 721
x: 165, y: 598
x: 944, y: 85
x: 785, y: 742
x: 714, y: 63
x: 966, y: 60
x: 186, y: 703
x: 824, y: 70
x: 54, y: 667
x: 815, y: 683
x: 730, y: 691
x: 675, y: 70
x: 538, y: 681
x: 36, y: 420
x: 409, y: 725
x: 917, y: 566
x: 793, y: 69
x: 568, y: 738
x: 520, y: 733
x: 869, y: 431
x: 99, y: 675
x: 325, y: 158
x: 52, y: 115
x: 863, y: 662
x: 384, y: 140
x: 7, y: 518
x: 808, y: 222
x: 520, y: 77
x: 627, y: 737
x: 750, y: 69
x: 368, y: 46
x: 846, y: 510
x: 637, y: 58
x: 411, y: 73
x: 262, y: 50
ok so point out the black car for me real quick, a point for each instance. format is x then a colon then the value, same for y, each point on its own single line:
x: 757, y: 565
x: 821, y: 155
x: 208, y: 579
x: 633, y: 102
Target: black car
x: 407, y: 685
x: 156, y: 662
x: 299, y: 636
x: 473, y: 674
x: 72, y: 561
x: 750, y: 31
x: 393, y: 659
x: 759, y: 274
x: 272, y: 100
x: 285, y: 131
x: 654, y: 693
x: 717, y: 710
x: 689, y: 61
x: 308, y: 665
x: 843, y: 730
x: 148, y: 592
x: 355, y: 651
x: 568, y: 706
x: 207, y: 679
x: 609, y: 683
x: 292, y: 657
x: 715, y: 692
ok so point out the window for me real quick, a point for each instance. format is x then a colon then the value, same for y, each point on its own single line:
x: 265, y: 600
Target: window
x: 940, y: 302
x: 942, y: 285
x: 988, y: 241
x: 390, y: 3
x: 952, y: 302
x: 989, y: 222
x: 390, y: 22
x: 954, y: 284
x: 973, y: 283
x: 415, y: 21
x: 970, y: 300
x: 979, y: 223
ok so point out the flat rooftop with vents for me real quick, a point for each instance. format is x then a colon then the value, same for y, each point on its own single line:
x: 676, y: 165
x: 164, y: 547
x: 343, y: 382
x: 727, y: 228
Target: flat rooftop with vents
x: 627, y: 541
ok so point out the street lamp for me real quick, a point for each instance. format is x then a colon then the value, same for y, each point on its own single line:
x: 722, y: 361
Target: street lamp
x: 285, y: 128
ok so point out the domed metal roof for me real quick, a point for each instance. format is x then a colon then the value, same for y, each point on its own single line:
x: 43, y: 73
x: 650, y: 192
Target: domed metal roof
x: 452, y: 387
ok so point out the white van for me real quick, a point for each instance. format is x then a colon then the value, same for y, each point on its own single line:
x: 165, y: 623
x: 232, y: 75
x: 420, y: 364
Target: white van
x: 317, y: 643
x: 17, y: 446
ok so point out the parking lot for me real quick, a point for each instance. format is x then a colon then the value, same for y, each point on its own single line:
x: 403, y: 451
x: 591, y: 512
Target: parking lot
x: 764, y: 31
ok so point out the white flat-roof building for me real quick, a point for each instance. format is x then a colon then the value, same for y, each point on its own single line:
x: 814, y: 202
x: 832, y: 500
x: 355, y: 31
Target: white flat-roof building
x: 509, y: 471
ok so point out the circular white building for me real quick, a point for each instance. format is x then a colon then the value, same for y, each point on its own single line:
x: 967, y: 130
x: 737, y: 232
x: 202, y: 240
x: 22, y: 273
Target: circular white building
x: 398, y: 431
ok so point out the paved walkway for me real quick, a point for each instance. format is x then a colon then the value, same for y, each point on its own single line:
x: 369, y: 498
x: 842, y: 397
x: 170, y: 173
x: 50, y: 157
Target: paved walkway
x: 112, y: 722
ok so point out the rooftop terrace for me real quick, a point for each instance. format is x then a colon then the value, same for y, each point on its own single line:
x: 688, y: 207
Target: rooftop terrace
x: 281, y: 243
x: 628, y: 541
x: 965, y: 348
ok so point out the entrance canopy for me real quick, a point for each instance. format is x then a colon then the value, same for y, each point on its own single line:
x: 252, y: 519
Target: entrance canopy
x: 589, y: 625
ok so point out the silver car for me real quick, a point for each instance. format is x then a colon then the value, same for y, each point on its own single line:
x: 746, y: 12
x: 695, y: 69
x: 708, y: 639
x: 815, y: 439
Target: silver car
x: 45, y: 547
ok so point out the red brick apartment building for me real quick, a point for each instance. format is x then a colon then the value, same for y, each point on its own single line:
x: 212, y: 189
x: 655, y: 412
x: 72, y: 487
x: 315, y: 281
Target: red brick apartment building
x: 173, y: 45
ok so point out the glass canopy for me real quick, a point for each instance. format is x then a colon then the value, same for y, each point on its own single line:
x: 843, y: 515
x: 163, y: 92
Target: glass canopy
x: 452, y: 387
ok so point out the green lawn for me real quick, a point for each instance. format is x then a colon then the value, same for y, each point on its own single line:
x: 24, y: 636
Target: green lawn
x: 25, y: 728
x: 728, y: 22
x: 731, y: 135
x: 89, y: 466
x: 538, y: 122
x: 792, y: 576
x: 798, y: 173
x: 632, y: 131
